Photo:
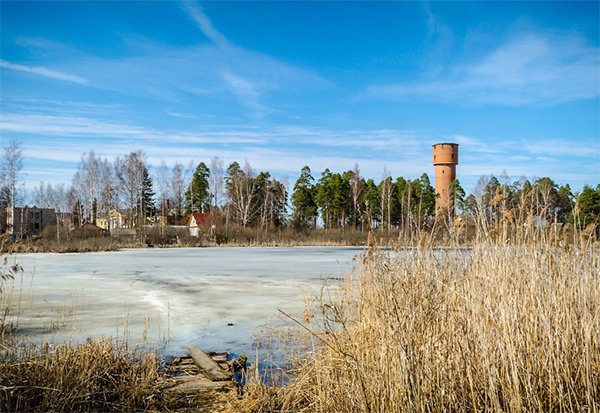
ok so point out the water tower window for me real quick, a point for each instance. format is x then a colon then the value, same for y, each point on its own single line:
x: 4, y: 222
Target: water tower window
x: 452, y: 156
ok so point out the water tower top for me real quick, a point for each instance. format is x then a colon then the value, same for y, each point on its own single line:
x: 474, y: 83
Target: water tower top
x: 445, y: 154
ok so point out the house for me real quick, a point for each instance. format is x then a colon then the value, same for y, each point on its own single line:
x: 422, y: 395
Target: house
x: 202, y: 221
x: 28, y: 221
x: 117, y: 219
x: 103, y: 223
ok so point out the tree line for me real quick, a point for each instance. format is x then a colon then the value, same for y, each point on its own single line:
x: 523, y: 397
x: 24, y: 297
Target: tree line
x: 243, y: 197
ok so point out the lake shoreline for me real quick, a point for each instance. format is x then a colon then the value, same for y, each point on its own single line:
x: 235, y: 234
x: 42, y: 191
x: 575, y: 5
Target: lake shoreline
x: 31, y: 248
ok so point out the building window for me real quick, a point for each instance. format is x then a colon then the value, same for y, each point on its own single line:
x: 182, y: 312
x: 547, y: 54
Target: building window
x: 37, y: 225
x: 37, y: 215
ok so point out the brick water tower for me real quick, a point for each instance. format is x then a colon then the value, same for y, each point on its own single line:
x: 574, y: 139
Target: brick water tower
x: 445, y: 159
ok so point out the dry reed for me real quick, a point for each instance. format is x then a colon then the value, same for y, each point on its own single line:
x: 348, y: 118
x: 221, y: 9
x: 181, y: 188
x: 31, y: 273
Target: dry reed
x: 502, y: 328
x: 93, y: 375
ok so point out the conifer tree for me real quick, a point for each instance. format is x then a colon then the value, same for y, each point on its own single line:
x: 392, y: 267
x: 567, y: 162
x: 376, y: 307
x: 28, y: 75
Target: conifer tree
x: 148, y: 207
x: 303, y: 201
x: 371, y: 201
x: 197, y: 196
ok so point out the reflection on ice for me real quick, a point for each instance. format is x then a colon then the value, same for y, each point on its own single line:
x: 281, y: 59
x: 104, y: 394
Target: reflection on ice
x: 187, y: 296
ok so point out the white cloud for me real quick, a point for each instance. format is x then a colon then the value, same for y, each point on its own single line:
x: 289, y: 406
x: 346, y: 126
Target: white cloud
x: 562, y: 147
x: 56, y: 140
x: 248, y: 93
x: 85, y: 127
x: 197, y: 14
x: 42, y: 71
x: 528, y: 69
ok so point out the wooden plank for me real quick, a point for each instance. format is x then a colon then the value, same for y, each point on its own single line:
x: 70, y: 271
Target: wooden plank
x: 209, y: 368
x: 193, y: 386
x: 220, y: 358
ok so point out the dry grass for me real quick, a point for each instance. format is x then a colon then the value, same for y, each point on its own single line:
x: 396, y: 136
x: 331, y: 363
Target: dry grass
x: 491, y: 328
x: 94, y: 375
x: 510, y: 324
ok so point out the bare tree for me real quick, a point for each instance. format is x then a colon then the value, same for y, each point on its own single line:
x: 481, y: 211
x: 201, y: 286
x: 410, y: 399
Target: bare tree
x: 356, y: 193
x: 190, y: 172
x: 130, y: 174
x: 86, y: 182
x: 41, y: 194
x: 56, y: 197
x: 215, y: 181
x: 386, y: 192
x: 108, y: 190
x: 178, y: 186
x: 241, y: 191
x: 10, y: 170
x: 162, y: 179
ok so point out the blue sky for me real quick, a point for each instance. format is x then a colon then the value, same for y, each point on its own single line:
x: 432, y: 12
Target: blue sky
x: 288, y: 84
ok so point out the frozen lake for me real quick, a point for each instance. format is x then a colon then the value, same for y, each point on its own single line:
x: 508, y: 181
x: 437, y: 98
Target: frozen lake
x: 213, y: 298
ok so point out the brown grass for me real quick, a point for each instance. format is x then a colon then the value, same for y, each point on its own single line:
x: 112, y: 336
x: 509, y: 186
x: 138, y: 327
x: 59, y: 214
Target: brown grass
x: 94, y: 375
x: 492, y: 328
x: 510, y: 324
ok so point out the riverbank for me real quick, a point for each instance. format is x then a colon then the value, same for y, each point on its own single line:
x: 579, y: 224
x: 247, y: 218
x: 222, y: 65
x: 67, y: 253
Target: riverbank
x: 103, y: 375
x: 237, y: 237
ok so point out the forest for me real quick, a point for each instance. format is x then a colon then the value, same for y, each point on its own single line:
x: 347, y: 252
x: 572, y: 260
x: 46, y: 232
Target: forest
x: 245, y: 198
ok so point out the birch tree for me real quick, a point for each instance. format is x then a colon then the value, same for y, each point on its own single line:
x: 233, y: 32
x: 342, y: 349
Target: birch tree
x: 386, y: 191
x: 241, y: 188
x: 10, y: 170
x: 178, y: 185
x: 356, y: 192
x: 215, y: 182
x: 130, y: 175
x: 86, y: 182
x: 162, y: 179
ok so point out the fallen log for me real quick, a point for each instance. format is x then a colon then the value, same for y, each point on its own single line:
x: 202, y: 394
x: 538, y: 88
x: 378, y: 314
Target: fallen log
x: 208, y: 366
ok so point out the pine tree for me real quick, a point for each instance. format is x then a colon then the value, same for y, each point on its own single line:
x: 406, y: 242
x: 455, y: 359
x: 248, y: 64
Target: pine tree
x: 340, y: 199
x: 324, y: 197
x: 589, y: 205
x: 457, y: 195
x: 148, y: 207
x: 371, y: 201
x: 303, y: 201
x: 197, y: 196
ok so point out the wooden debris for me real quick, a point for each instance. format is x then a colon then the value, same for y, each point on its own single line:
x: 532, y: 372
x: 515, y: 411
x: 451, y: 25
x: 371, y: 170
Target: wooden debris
x: 208, y: 366
x: 198, y: 372
x: 194, y: 386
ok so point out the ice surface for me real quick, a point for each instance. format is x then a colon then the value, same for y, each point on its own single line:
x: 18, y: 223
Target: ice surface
x: 185, y: 295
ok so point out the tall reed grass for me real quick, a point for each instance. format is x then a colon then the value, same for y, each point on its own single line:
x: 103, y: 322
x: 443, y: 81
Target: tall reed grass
x: 497, y: 327
x: 97, y: 375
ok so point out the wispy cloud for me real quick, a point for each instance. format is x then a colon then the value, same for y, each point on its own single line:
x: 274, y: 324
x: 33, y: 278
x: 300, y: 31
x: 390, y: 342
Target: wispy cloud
x: 180, y: 115
x: 42, y: 71
x: 285, y: 149
x: 562, y: 147
x: 527, y: 69
x: 86, y: 127
x: 197, y: 14
x: 248, y: 93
